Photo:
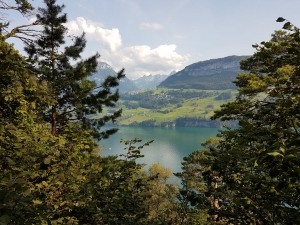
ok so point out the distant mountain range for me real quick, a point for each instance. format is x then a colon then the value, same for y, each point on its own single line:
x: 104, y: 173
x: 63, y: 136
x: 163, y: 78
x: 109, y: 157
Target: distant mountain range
x: 151, y: 81
x: 213, y: 74
x: 104, y: 70
x: 144, y: 82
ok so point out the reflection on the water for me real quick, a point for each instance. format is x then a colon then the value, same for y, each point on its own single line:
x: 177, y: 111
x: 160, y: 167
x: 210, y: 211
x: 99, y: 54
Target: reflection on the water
x: 169, y: 147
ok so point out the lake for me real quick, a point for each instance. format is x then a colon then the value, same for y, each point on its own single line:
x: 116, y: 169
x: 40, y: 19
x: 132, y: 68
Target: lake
x: 170, y: 144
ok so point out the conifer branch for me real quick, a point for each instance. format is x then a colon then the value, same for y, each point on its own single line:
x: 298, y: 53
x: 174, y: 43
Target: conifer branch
x: 23, y: 7
x: 24, y: 30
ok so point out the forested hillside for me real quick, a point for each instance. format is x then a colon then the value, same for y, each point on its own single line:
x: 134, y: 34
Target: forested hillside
x: 170, y: 107
x: 214, y: 74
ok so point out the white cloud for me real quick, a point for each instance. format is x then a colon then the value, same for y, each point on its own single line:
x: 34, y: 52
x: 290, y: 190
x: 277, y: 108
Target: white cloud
x: 142, y: 60
x: 110, y: 38
x: 152, y: 26
x: 137, y: 60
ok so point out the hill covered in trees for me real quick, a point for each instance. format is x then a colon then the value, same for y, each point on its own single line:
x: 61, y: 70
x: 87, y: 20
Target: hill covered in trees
x: 168, y: 107
x: 213, y: 74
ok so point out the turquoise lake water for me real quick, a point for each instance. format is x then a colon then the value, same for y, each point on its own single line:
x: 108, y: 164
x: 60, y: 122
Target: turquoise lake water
x: 170, y: 144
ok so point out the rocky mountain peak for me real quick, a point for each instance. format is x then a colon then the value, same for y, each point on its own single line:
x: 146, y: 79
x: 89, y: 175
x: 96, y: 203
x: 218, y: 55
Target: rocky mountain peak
x: 104, y: 65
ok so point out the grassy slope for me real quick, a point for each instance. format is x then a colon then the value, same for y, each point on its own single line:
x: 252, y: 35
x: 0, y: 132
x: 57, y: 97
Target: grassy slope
x: 194, y: 107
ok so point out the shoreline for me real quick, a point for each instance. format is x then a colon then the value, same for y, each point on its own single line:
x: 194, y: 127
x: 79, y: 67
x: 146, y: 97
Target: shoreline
x: 182, y: 122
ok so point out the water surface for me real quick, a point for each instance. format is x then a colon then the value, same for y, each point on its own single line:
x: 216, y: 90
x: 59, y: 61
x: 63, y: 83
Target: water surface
x: 170, y: 144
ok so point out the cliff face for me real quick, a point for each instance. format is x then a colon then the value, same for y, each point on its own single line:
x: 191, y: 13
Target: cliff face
x: 213, y: 66
x: 209, y: 74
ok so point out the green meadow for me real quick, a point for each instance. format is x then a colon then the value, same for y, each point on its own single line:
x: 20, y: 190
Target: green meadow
x: 203, y: 107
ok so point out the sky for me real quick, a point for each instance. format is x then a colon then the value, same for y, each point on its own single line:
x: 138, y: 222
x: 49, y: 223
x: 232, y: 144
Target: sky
x: 158, y: 36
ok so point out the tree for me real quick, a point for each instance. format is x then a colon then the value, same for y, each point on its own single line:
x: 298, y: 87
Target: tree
x: 251, y: 174
x: 114, y: 191
x: 76, y: 98
x: 163, y: 204
x: 50, y: 179
x: 160, y: 204
x: 59, y: 178
x: 196, y: 193
x: 38, y: 171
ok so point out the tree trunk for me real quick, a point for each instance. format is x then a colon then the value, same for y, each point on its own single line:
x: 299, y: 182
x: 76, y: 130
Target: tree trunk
x: 53, y: 120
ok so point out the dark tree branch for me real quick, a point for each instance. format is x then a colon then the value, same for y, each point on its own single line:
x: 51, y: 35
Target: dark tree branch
x: 23, y: 30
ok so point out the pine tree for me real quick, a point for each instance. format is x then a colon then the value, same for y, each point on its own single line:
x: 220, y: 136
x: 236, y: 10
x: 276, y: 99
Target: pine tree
x: 58, y: 177
x: 76, y: 98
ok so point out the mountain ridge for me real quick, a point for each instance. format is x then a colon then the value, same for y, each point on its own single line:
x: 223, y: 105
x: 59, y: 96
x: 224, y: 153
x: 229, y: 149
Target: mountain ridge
x: 213, y: 74
x: 149, y: 81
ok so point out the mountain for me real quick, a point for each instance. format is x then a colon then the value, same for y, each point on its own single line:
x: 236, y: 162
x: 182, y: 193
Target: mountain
x: 172, y: 73
x: 104, y: 70
x: 150, y: 81
x: 214, y: 74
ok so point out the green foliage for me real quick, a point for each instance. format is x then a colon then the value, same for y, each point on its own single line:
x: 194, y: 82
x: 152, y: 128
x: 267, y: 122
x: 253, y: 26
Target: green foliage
x: 58, y: 184
x: 18, y: 85
x: 113, y: 192
x: 192, y: 104
x: 224, y: 96
x: 76, y: 98
x: 60, y: 179
x: 161, y: 204
x: 150, y: 100
x: 23, y: 6
x: 251, y: 175
x: 39, y: 173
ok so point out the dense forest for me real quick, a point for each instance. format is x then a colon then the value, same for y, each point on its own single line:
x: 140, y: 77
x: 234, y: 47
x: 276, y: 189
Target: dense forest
x: 168, y: 107
x: 51, y: 171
